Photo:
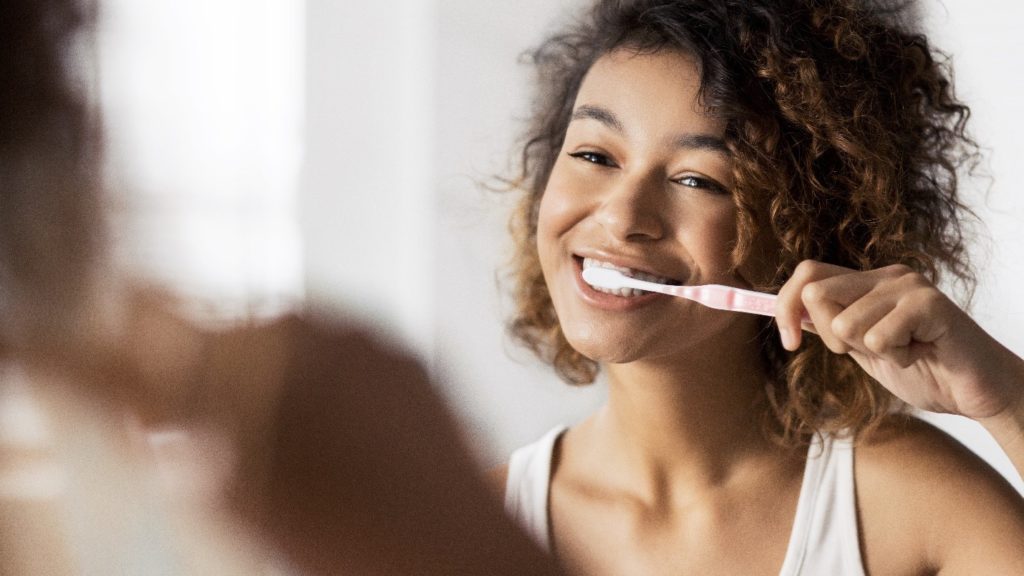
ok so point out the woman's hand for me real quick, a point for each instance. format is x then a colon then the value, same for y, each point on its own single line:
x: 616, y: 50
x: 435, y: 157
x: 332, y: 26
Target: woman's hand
x: 907, y: 335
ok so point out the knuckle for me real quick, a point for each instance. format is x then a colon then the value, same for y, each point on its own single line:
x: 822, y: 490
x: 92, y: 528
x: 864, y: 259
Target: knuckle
x: 844, y: 327
x: 805, y: 269
x: 927, y: 298
x: 813, y: 292
x: 932, y: 297
x: 898, y: 270
x: 875, y: 342
x: 917, y: 280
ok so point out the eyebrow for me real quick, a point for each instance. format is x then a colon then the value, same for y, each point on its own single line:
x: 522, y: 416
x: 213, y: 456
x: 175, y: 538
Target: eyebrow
x: 602, y: 115
x: 688, y: 141
x: 702, y: 142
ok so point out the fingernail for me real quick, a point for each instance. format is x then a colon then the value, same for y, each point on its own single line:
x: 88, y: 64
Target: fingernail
x: 788, y: 338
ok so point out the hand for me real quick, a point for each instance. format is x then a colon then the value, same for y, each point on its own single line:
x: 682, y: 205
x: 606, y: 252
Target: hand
x: 906, y: 334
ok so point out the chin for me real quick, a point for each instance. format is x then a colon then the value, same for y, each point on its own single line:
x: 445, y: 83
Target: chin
x: 605, y: 348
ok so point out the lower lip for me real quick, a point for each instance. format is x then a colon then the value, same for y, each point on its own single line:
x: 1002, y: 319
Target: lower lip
x: 606, y: 301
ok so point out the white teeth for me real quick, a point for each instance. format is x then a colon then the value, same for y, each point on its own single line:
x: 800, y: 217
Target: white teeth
x: 623, y: 292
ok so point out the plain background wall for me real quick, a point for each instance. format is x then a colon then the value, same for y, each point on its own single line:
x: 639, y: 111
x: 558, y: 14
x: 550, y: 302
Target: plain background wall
x: 202, y: 107
x: 366, y: 195
x: 413, y: 104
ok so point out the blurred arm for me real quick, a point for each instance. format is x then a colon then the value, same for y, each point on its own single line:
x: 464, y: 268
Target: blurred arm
x: 365, y: 469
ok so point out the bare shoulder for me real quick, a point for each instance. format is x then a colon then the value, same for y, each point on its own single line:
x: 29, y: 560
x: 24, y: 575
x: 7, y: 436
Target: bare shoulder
x: 497, y: 477
x: 927, y: 503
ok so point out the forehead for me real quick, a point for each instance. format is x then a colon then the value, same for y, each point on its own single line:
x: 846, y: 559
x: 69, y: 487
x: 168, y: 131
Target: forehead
x: 661, y: 88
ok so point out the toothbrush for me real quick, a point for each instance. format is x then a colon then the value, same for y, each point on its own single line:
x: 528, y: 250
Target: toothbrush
x: 711, y: 295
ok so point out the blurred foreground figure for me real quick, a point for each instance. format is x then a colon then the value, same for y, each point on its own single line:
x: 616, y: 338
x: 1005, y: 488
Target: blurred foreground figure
x: 297, y: 445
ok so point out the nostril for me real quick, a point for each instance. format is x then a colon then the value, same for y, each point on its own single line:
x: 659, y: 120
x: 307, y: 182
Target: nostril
x: 626, y: 219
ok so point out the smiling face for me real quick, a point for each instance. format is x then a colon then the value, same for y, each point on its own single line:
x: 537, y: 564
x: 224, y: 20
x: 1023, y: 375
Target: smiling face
x: 642, y: 183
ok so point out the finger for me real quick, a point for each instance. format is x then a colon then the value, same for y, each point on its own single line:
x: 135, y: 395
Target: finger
x: 822, y: 311
x: 903, y: 334
x: 843, y: 286
x: 889, y: 338
x: 855, y: 320
x: 789, y: 307
x: 845, y: 289
x: 808, y: 326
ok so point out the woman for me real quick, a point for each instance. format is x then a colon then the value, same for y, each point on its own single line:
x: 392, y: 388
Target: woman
x: 800, y: 147
x: 316, y: 446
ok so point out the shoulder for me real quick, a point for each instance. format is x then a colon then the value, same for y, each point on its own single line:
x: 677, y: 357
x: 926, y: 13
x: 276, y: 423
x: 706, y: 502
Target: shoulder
x: 926, y: 502
x: 497, y: 477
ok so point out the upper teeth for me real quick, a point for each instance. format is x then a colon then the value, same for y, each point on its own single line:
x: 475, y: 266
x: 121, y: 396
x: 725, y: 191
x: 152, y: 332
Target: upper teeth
x: 625, y: 292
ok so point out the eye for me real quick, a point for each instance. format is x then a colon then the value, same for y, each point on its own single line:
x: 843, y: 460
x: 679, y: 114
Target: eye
x: 702, y: 183
x: 593, y: 158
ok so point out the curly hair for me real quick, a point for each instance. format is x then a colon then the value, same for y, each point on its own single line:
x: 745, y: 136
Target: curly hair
x: 847, y: 142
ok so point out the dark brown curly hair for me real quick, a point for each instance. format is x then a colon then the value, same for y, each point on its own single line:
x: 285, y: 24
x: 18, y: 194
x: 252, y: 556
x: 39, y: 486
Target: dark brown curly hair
x: 847, y: 142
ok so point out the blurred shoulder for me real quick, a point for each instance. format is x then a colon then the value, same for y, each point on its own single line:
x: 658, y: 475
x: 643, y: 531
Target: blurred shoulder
x: 497, y: 478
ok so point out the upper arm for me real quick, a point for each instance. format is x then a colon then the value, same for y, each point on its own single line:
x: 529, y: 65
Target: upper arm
x: 927, y: 504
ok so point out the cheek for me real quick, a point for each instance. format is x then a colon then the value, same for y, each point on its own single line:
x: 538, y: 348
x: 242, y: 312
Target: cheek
x: 560, y: 209
x: 710, y: 241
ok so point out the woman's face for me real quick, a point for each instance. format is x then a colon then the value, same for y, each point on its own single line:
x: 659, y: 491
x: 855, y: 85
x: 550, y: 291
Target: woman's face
x: 642, y: 183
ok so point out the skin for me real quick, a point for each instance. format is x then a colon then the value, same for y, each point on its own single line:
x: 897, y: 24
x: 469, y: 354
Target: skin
x: 309, y: 438
x: 345, y: 458
x: 921, y: 346
x: 914, y: 340
x: 670, y: 476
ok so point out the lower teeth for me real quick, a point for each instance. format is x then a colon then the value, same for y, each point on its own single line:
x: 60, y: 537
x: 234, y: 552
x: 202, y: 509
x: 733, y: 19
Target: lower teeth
x: 622, y: 292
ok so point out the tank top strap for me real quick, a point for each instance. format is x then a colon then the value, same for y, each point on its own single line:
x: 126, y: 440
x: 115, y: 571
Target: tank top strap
x: 824, y: 539
x: 528, y: 484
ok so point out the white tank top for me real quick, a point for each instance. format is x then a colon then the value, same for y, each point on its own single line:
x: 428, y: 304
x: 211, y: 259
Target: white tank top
x: 824, y: 538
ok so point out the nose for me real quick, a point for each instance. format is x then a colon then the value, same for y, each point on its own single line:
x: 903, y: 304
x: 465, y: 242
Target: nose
x: 632, y: 210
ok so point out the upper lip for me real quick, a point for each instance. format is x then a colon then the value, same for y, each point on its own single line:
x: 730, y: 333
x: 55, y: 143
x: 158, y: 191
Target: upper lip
x: 631, y: 262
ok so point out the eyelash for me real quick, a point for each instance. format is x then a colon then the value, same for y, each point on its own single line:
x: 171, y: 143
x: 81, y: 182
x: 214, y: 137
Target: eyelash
x: 702, y: 183
x: 593, y: 158
x: 699, y: 183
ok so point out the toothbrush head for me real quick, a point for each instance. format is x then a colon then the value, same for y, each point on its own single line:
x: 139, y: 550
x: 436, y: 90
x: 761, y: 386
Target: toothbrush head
x: 605, y: 278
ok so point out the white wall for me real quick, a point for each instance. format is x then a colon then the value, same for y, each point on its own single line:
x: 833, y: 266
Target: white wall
x: 202, y: 106
x: 367, y: 200
x: 986, y: 46
x: 365, y: 222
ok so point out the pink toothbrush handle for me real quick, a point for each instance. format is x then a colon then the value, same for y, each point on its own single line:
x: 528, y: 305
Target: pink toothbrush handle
x: 735, y: 299
x: 753, y: 302
x: 759, y: 303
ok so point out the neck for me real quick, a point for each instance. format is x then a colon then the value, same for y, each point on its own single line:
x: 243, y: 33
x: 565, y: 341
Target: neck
x: 696, y: 417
